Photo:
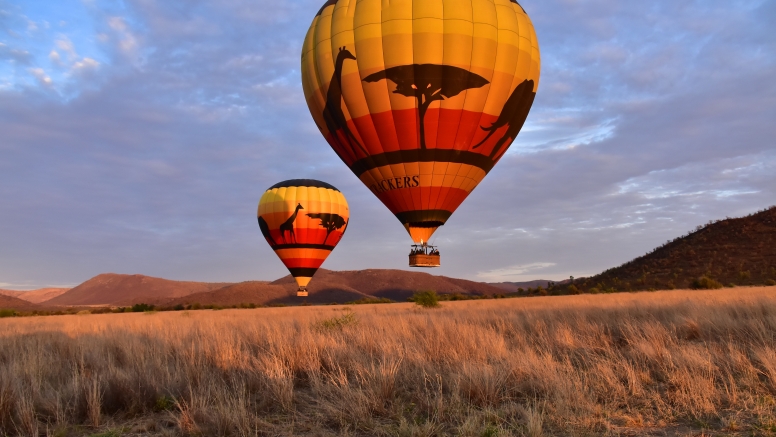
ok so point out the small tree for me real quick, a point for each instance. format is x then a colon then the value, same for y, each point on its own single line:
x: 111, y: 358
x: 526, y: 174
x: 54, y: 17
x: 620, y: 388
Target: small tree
x: 426, y: 299
x: 705, y: 283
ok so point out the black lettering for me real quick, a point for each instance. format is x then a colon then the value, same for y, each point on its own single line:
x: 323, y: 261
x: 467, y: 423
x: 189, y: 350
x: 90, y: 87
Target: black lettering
x: 374, y: 189
x: 407, y: 182
x: 390, y: 184
x: 398, y: 183
x: 416, y: 179
x: 382, y: 184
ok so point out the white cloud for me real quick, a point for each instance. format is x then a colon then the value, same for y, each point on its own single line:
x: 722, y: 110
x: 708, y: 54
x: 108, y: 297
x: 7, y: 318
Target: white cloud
x: 513, y: 273
x: 128, y: 41
x: 41, y: 75
x: 85, y: 64
x: 66, y: 46
x: 55, y: 58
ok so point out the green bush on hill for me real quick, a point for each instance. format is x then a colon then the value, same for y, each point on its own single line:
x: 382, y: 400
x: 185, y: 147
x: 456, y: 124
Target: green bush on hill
x: 142, y: 307
x: 705, y: 283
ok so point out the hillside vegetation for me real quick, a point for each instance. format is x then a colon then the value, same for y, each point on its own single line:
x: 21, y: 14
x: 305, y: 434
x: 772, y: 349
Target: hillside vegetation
x: 625, y: 364
x: 730, y: 252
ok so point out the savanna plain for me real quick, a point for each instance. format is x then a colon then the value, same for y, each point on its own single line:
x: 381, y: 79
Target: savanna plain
x: 653, y: 363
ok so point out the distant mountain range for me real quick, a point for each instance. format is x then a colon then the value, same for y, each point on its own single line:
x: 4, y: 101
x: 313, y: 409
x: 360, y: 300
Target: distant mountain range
x: 112, y: 289
x: 35, y: 296
x: 732, y: 251
x: 115, y: 289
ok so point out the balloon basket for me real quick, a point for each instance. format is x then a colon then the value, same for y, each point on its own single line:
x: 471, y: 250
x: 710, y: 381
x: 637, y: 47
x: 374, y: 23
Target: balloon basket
x: 301, y: 293
x: 423, y: 255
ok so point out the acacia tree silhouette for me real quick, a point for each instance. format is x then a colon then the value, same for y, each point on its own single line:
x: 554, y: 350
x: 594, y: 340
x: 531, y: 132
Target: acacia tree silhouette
x: 428, y: 83
x: 330, y: 222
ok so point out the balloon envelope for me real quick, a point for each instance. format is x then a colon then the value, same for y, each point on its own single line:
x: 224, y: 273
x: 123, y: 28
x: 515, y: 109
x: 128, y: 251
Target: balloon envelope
x: 303, y: 220
x: 420, y: 98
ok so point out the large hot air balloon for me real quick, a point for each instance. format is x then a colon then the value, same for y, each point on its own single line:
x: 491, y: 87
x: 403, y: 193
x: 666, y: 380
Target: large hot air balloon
x: 420, y: 98
x: 303, y: 220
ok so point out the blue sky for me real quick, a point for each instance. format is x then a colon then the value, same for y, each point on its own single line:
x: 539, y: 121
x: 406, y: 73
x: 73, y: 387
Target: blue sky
x: 137, y: 136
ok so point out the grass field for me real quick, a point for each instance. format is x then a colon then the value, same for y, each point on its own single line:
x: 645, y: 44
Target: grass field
x: 678, y: 362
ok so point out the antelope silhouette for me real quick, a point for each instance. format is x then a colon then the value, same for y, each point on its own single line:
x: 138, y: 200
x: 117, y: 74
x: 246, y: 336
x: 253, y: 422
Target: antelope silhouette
x: 513, y: 114
x: 288, y: 225
x: 265, y: 231
x: 332, y: 113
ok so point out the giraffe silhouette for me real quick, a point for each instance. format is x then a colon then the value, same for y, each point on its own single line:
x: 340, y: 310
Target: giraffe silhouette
x: 265, y: 231
x: 288, y: 225
x: 513, y: 114
x: 332, y: 113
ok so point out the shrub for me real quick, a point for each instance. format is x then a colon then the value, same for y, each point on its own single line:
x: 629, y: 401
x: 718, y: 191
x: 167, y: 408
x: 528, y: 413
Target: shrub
x: 7, y: 313
x: 770, y: 282
x: 142, y: 307
x: 705, y: 283
x: 426, y: 299
x: 369, y: 300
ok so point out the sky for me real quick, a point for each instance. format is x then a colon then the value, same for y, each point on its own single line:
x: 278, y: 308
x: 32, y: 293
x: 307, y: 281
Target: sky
x: 137, y: 136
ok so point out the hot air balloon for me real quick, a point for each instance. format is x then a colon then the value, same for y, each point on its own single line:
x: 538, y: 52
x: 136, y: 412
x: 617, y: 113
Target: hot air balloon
x: 420, y: 98
x: 303, y: 220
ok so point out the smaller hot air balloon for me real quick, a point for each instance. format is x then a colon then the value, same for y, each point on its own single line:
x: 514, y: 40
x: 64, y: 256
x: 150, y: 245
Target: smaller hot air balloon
x: 303, y: 220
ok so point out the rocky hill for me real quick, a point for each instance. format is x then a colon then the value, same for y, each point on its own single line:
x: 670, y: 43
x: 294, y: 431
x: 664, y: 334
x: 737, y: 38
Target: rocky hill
x: 737, y: 251
x: 35, y: 296
x: 10, y: 302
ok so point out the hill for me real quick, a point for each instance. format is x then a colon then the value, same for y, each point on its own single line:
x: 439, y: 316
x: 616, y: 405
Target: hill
x: 36, y: 296
x: 12, y: 293
x: 115, y: 289
x: 738, y: 251
x: 10, y: 302
x: 393, y: 284
x: 263, y: 293
x: 337, y: 286
x: 327, y: 286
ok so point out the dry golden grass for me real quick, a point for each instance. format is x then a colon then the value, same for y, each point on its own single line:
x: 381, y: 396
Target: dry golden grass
x: 679, y: 362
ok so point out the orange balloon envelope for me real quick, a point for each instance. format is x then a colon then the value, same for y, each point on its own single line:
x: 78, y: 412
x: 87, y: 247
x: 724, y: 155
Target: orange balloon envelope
x: 303, y: 220
x: 420, y: 98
